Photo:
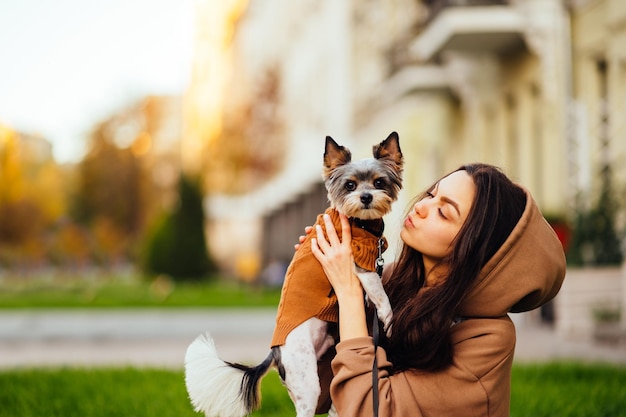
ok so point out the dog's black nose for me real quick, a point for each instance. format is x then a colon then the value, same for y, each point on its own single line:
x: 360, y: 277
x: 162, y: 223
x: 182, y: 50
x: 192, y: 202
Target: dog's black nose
x: 366, y: 198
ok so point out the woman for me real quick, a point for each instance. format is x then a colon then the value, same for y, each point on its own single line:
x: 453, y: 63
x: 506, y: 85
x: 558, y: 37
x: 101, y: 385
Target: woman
x: 475, y: 247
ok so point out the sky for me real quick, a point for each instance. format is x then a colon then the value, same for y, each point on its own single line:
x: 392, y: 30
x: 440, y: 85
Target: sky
x: 67, y: 64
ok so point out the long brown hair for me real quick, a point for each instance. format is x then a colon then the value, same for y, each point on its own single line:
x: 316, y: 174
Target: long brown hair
x: 423, y: 315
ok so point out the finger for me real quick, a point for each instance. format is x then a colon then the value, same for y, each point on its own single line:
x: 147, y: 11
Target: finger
x: 301, y: 240
x: 316, y: 251
x: 346, y: 232
x: 331, y: 232
x: 308, y: 229
x: 321, y: 241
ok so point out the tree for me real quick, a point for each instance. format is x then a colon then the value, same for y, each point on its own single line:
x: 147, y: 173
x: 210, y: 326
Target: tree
x: 112, y: 197
x: 110, y: 185
x: 250, y: 150
x: 177, y: 245
x: 596, y: 240
x: 32, y: 196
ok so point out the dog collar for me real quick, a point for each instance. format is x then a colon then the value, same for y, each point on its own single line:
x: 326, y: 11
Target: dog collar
x: 375, y: 227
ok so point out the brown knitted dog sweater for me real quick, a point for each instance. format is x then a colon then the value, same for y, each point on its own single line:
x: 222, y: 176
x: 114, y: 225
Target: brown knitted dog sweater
x: 307, y: 292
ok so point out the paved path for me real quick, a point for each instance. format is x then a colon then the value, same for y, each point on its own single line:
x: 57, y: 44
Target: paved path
x: 159, y: 338
x: 137, y: 337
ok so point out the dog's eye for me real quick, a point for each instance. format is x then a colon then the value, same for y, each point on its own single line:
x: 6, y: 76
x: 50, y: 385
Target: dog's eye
x: 350, y: 185
x: 379, y: 184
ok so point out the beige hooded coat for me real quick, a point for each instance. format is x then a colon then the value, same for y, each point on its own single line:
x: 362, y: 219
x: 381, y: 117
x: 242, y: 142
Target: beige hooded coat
x: 525, y: 273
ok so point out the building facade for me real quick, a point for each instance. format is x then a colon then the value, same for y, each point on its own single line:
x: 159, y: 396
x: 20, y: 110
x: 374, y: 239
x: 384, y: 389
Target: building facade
x: 533, y: 86
x: 598, y: 59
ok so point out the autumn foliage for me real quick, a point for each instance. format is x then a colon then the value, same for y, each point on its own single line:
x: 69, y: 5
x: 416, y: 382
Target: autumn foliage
x: 32, y: 199
x: 90, y: 214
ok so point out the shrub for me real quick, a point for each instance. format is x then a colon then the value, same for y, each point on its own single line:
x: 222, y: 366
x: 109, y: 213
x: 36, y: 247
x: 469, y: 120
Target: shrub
x: 176, y: 246
x: 596, y: 240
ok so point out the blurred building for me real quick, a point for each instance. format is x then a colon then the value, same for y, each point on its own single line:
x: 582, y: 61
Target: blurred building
x: 598, y: 95
x: 534, y: 86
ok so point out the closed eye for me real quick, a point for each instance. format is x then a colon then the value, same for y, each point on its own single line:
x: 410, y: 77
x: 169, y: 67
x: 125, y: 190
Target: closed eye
x: 439, y: 211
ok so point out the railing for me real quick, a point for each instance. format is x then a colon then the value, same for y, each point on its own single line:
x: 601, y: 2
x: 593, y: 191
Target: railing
x: 436, y: 6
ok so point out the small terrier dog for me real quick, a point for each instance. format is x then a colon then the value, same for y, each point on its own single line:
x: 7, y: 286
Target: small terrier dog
x: 364, y: 191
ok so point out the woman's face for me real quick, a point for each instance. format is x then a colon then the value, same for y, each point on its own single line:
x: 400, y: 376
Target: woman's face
x: 435, y: 220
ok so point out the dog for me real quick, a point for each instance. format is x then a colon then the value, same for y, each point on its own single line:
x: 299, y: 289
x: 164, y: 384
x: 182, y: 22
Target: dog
x: 363, y: 190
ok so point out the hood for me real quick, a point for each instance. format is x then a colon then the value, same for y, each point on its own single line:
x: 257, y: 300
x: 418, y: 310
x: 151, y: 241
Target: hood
x: 525, y: 273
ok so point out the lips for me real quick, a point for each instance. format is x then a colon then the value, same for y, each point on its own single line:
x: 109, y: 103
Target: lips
x: 409, y: 222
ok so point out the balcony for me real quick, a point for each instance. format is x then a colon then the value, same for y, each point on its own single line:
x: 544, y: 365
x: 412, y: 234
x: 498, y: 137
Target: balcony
x: 468, y: 25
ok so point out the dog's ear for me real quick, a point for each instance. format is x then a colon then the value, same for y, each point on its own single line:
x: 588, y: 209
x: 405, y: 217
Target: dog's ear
x: 389, y: 149
x: 335, y: 155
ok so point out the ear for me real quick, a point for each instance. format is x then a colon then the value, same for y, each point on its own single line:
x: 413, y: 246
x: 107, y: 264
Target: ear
x: 389, y: 149
x: 335, y: 155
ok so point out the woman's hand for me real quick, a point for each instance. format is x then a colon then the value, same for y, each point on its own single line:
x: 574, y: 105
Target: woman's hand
x: 335, y: 257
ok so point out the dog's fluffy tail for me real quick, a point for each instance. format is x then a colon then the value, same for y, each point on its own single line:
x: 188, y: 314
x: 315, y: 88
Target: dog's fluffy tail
x: 219, y: 388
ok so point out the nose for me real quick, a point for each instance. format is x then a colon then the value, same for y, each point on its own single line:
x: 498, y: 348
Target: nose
x: 366, y: 198
x: 420, y: 208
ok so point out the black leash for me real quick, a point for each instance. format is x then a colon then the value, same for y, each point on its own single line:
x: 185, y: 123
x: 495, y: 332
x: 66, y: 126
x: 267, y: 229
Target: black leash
x: 380, y: 262
x: 375, y: 400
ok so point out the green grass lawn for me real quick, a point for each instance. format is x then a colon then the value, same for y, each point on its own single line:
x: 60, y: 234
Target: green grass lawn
x: 132, y: 292
x: 545, y: 390
x: 550, y: 390
x: 568, y: 389
x: 112, y: 393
